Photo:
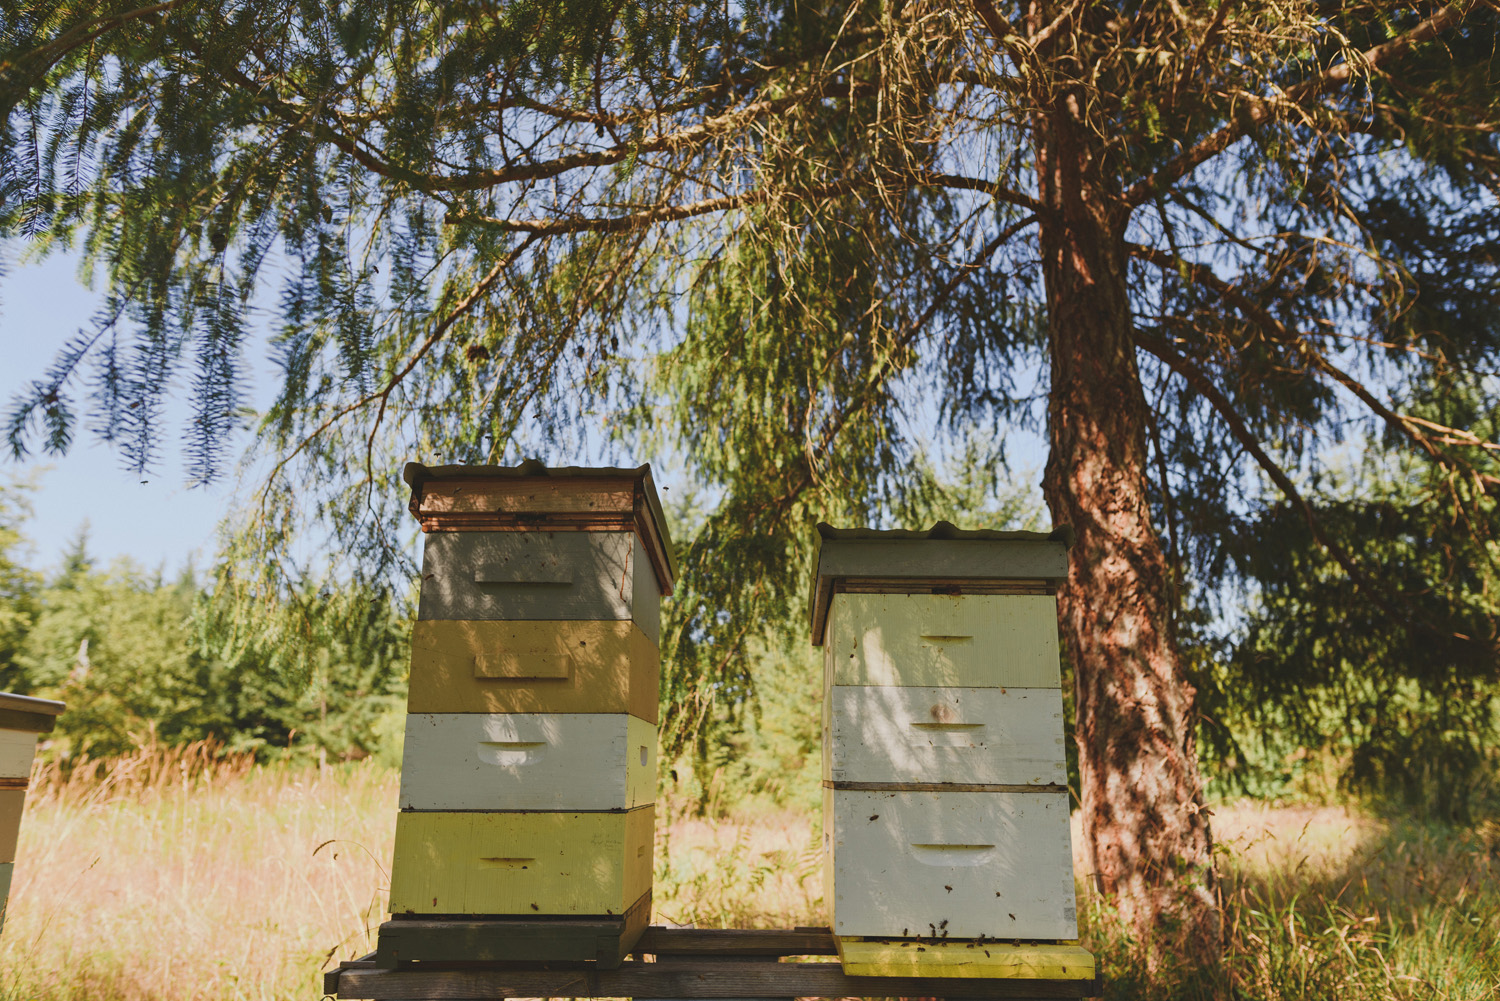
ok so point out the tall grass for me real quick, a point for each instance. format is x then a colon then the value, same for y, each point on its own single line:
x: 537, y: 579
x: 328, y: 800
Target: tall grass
x: 188, y: 874
x: 1328, y: 903
x: 181, y: 873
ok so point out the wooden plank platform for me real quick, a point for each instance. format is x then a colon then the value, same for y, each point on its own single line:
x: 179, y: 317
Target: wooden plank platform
x: 688, y: 963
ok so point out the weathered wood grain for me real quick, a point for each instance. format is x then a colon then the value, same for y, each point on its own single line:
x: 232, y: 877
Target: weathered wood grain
x: 967, y: 641
x: 532, y: 497
x: 723, y: 942
x: 1041, y: 559
x: 26, y: 722
x: 683, y: 980
x: 539, y: 575
x: 585, y: 667
x: 521, y: 863
x: 970, y: 736
x: 967, y: 864
x: 30, y: 704
x: 17, y: 748
x: 539, y: 495
x: 12, y: 802
x: 527, y: 761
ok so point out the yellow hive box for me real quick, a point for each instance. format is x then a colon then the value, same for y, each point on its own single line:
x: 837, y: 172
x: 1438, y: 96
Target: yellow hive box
x: 938, y: 640
x: 1023, y: 961
x: 522, y: 863
x: 533, y: 667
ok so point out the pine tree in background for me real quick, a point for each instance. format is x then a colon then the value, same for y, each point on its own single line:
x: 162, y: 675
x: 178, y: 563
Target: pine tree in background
x: 1195, y: 242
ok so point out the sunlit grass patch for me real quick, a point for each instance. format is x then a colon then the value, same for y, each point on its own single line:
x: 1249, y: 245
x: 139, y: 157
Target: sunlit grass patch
x: 185, y: 874
x: 177, y: 873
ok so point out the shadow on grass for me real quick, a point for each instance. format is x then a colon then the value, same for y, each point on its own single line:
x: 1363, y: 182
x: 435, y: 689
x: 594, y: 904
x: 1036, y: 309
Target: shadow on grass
x: 1345, y: 911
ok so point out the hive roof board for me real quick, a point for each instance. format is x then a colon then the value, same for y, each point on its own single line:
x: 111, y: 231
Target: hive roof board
x: 644, y: 505
x: 943, y: 551
x: 28, y: 714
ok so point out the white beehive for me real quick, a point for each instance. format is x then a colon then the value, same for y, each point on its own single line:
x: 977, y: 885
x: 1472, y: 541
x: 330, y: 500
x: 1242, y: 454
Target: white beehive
x: 945, y: 799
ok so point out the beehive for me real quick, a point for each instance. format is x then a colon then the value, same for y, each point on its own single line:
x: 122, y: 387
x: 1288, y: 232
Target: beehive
x: 945, y: 796
x: 529, y: 772
x: 22, y: 720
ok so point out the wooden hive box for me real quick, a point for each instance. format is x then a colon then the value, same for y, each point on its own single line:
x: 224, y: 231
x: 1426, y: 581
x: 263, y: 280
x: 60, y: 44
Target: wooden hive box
x: 945, y: 796
x: 529, y: 772
x: 22, y: 720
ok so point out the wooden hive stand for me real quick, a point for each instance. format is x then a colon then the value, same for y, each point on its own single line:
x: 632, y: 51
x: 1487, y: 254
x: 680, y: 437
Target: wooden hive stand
x: 680, y: 964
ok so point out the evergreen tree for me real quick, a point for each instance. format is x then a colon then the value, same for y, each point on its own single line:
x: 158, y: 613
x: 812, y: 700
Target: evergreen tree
x: 18, y: 583
x: 1193, y: 240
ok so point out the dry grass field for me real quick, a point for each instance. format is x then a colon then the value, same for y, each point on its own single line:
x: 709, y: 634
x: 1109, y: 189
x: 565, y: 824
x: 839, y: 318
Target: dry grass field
x: 178, y: 875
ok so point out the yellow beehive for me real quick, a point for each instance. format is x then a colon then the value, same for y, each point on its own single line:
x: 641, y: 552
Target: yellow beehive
x: 530, y: 762
x: 946, y: 831
x: 22, y: 720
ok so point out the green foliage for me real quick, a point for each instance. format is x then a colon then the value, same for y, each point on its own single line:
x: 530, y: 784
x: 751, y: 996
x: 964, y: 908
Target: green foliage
x: 18, y: 584
x: 790, y: 242
x: 1399, y: 693
x: 143, y: 661
x: 761, y: 749
x: 1403, y: 910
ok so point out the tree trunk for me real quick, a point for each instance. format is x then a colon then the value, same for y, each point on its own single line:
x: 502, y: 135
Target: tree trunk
x: 1142, y: 796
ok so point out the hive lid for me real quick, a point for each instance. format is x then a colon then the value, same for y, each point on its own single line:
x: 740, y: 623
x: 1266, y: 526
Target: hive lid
x: 28, y: 713
x: 942, y: 552
x: 585, y: 498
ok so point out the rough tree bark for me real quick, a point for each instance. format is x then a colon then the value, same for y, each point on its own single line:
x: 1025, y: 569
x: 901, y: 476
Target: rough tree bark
x: 1142, y: 795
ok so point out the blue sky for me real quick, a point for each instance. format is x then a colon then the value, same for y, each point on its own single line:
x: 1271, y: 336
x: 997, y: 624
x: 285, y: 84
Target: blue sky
x: 158, y: 522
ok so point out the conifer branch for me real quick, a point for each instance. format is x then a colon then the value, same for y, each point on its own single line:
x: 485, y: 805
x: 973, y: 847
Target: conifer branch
x: 50, y: 53
x: 383, y: 394
x: 1259, y: 109
x: 1407, y: 427
x: 1204, y: 387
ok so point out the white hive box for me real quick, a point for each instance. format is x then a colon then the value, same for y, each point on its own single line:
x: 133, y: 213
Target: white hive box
x: 945, y: 802
x: 950, y: 864
x: 962, y: 736
x: 528, y: 761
